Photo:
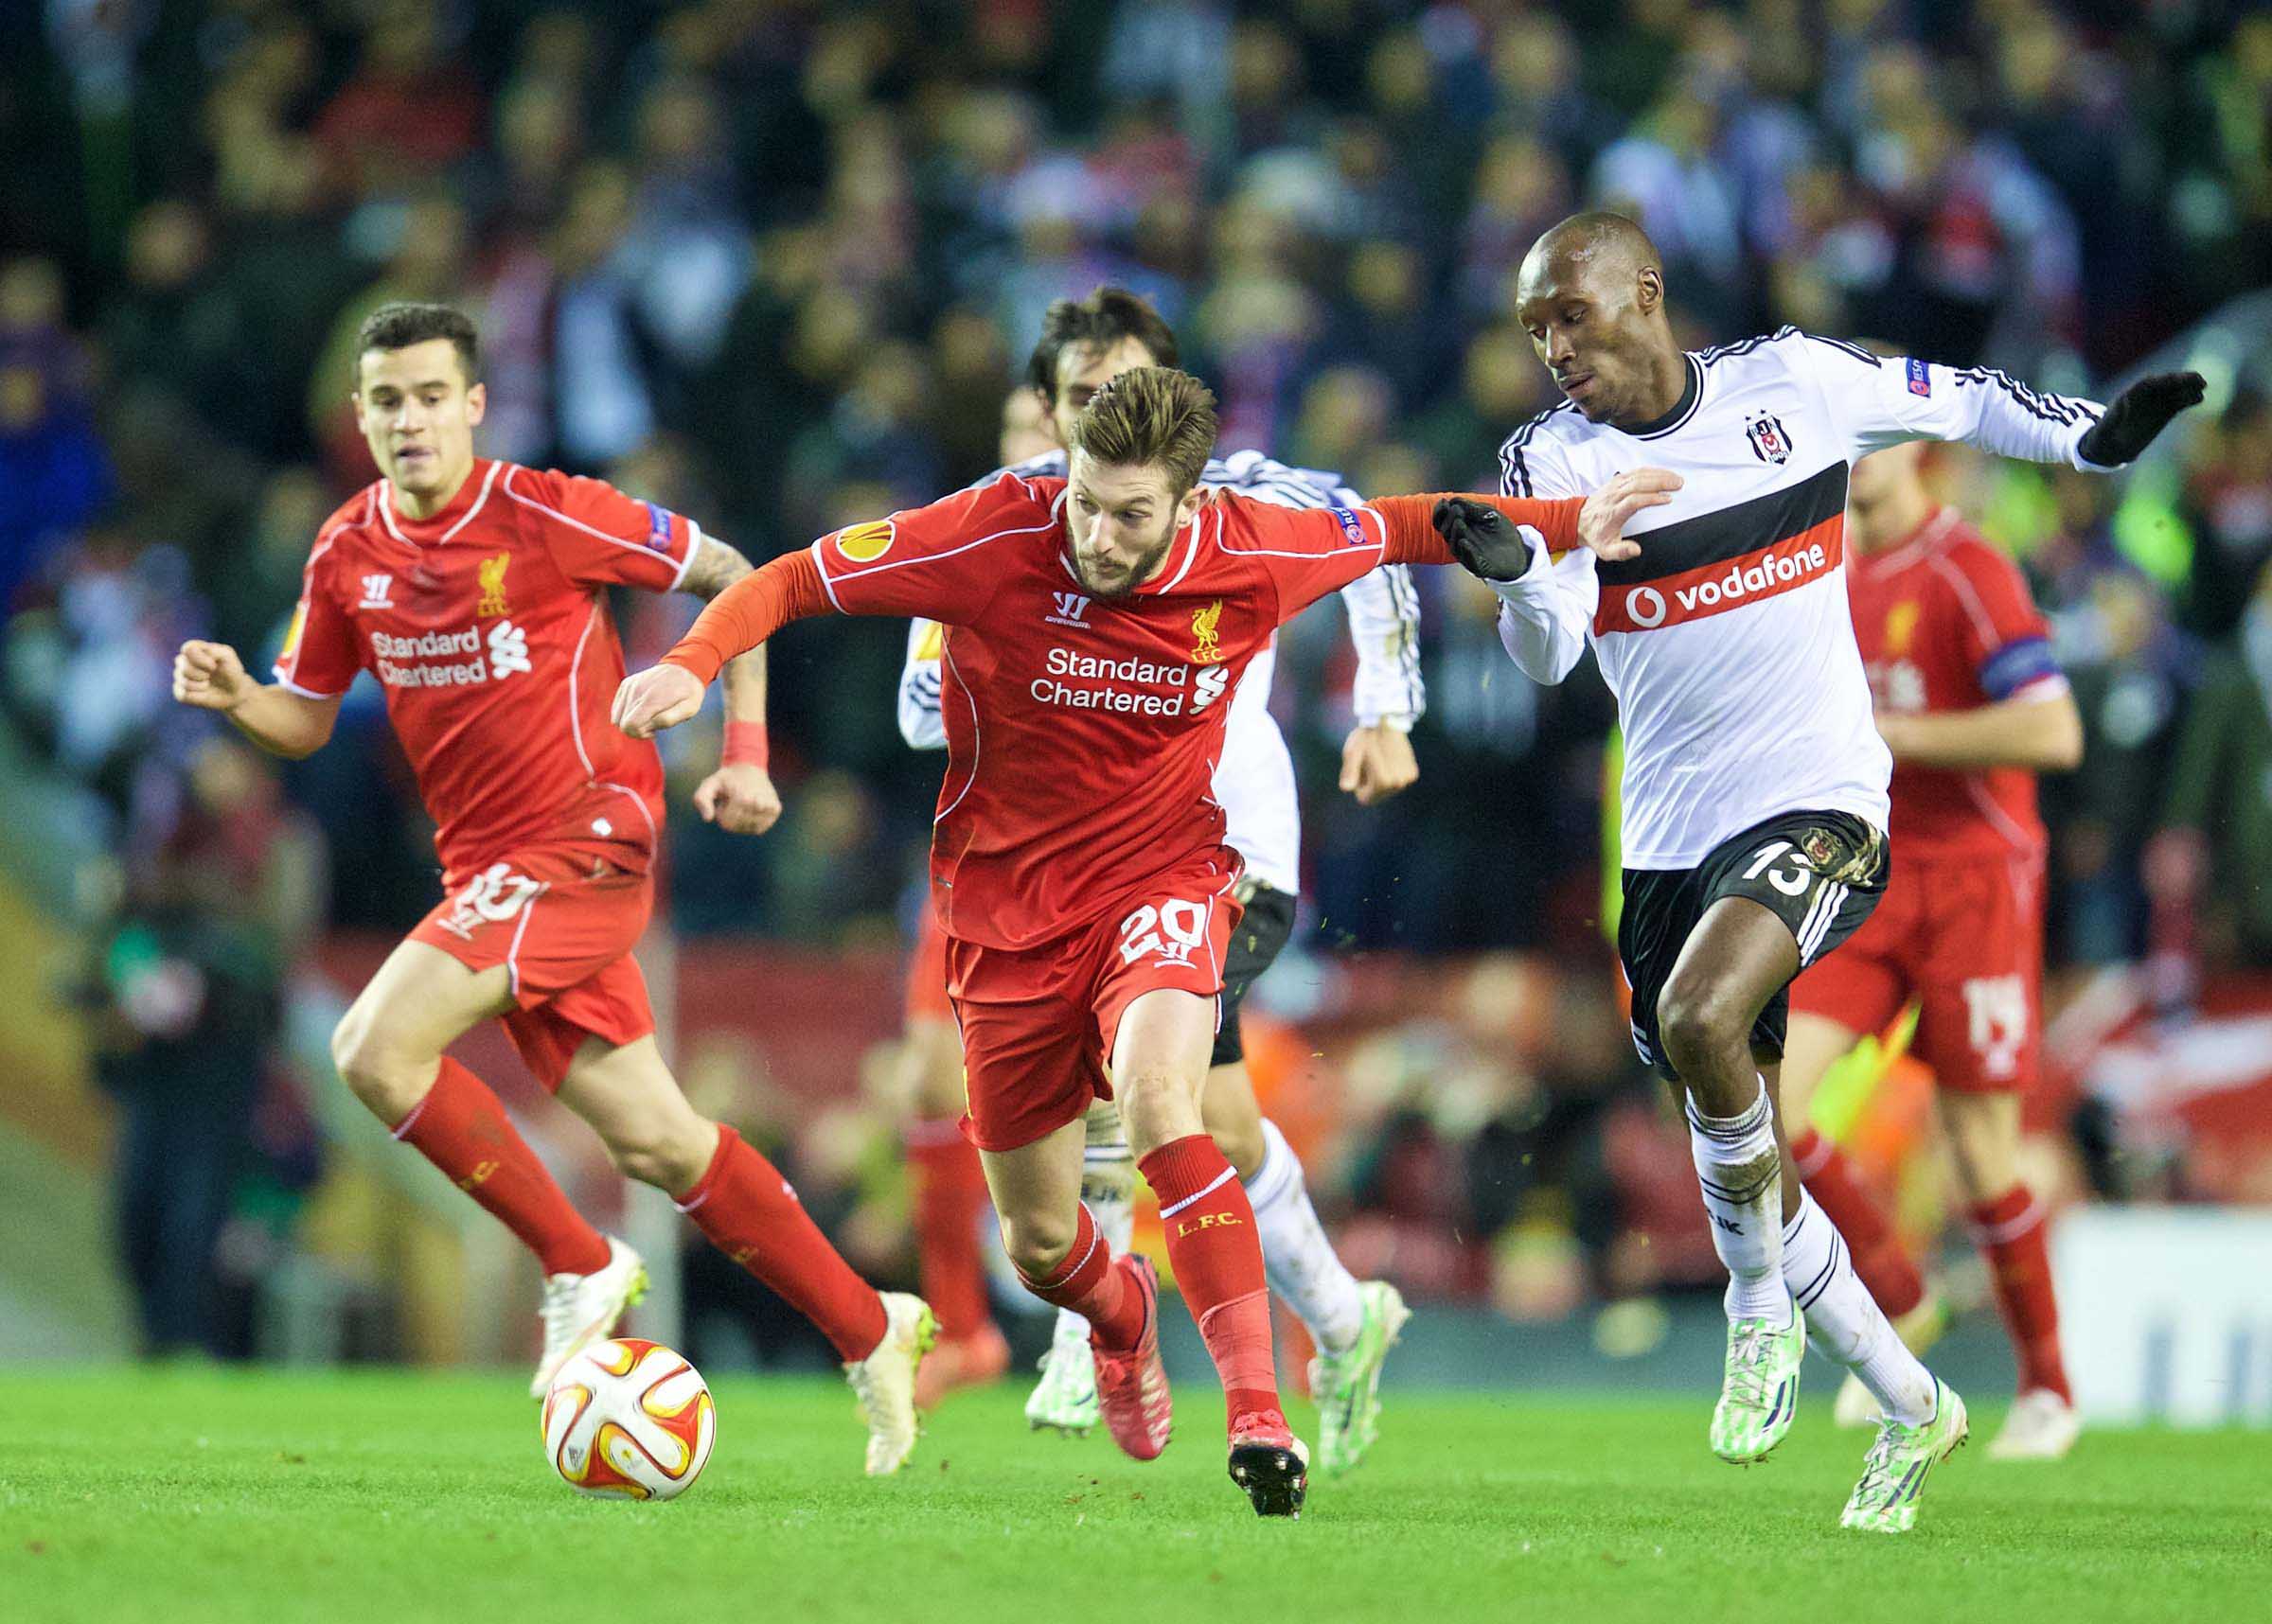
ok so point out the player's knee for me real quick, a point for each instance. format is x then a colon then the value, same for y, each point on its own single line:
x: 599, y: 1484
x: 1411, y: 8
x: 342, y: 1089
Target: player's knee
x: 1699, y: 1023
x: 672, y: 1157
x: 372, y: 1068
x: 1038, y: 1243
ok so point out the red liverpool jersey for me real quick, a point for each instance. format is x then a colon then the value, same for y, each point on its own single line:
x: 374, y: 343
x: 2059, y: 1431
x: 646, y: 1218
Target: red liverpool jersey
x: 1945, y: 622
x: 1082, y: 733
x: 488, y: 631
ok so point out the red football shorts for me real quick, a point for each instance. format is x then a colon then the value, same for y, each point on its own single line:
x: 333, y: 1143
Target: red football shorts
x: 563, y: 924
x: 926, y: 971
x: 1038, y: 1025
x: 1963, y: 939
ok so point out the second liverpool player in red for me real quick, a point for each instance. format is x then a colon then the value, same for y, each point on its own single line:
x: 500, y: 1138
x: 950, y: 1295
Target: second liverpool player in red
x: 474, y: 592
x: 1096, y: 625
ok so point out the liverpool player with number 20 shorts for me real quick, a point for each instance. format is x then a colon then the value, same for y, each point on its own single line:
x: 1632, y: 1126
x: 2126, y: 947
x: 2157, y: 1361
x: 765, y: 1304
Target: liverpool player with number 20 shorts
x: 1971, y: 703
x: 1077, y: 862
x: 474, y: 592
x: 1084, y: 344
x: 1754, y: 791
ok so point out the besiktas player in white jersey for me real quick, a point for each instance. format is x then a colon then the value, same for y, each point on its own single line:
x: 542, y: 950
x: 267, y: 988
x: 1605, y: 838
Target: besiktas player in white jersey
x: 1755, y: 783
x: 1084, y: 344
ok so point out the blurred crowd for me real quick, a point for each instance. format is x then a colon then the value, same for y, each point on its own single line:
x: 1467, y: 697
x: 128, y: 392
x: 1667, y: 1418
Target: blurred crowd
x: 776, y: 263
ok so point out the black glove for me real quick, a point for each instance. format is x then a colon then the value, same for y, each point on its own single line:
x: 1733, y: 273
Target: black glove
x: 2139, y: 414
x: 1484, y: 541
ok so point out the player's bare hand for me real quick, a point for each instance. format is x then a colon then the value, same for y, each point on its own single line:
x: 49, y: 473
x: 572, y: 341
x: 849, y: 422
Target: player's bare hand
x: 739, y: 797
x: 660, y: 696
x: 209, y: 675
x: 1376, y: 762
x: 1602, y: 521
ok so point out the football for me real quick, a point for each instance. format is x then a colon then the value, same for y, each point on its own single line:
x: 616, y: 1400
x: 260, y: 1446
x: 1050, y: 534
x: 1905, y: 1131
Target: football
x: 629, y: 1420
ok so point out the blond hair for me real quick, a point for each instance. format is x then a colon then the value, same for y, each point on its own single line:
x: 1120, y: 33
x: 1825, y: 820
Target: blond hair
x: 1150, y: 415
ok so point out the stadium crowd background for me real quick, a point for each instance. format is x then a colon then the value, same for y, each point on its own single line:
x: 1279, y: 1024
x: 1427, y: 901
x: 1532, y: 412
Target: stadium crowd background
x: 776, y: 263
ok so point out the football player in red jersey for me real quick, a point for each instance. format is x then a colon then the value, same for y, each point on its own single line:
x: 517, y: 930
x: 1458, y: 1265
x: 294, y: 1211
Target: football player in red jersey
x: 475, y: 592
x: 1077, y: 862
x: 1971, y: 703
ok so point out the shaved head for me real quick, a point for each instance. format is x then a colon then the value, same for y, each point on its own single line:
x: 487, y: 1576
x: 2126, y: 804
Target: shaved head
x: 1591, y: 295
x: 1598, y: 237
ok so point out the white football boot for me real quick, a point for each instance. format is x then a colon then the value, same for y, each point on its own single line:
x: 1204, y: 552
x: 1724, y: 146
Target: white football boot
x: 1065, y: 1397
x: 578, y: 1310
x: 2040, y: 1426
x: 884, y: 1382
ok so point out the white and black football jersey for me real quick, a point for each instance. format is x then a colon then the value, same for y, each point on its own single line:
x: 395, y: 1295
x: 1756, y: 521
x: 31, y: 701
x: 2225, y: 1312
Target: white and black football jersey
x: 1728, y: 641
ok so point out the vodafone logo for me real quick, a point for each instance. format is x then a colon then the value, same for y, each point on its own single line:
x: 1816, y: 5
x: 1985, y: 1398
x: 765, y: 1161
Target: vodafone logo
x: 1696, y: 593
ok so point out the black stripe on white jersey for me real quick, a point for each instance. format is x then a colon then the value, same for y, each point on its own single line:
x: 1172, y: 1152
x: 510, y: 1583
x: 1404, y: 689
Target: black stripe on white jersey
x: 2033, y: 405
x: 1733, y: 532
x: 1513, y: 473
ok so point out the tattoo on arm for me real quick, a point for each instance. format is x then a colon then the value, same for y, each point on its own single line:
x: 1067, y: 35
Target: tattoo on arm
x: 717, y: 567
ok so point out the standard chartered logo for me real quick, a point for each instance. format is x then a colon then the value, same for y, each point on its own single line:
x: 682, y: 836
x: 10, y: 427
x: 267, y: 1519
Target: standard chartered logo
x: 1101, y: 683
x: 508, y: 648
x: 450, y: 658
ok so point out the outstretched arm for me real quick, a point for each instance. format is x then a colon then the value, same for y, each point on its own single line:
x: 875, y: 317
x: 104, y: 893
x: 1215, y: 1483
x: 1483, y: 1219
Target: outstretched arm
x: 740, y: 618
x: 740, y: 797
x: 1883, y: 400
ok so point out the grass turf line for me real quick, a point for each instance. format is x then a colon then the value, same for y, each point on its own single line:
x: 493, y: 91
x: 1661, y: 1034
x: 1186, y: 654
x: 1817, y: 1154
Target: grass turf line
x: 201, y: 1496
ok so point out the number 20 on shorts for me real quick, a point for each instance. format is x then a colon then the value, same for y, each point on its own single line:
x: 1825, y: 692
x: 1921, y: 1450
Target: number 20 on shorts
x: 1172, y: 931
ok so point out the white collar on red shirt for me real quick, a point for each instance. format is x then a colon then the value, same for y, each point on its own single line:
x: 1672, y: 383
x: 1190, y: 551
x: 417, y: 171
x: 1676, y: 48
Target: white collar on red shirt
x: 455, y: 514
x: 1920, y: 541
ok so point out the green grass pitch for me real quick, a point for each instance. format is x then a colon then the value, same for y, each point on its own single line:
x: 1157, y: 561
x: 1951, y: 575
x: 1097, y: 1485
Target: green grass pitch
x: 188, y: 1496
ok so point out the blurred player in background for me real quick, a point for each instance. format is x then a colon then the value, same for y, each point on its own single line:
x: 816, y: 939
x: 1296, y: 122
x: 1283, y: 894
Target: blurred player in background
x: 1084, y: 344
x: 475, y: 592
x: 1970, y: 700
x: 1096, y: 625
x: 1754, y: 802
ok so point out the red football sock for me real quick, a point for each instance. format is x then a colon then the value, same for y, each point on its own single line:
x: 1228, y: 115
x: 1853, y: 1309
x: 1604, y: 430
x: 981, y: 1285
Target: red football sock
x: 1088, y: 1283
x: 461, y: 1127
x: 750, y: 1213
x: 949, y: 1194
x: 1885, y: 1268
x: 2010, y: 1232
x: 1217, y: 1258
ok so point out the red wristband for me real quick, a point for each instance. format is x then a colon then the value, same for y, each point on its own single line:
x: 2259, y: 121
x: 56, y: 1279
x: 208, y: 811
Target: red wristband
x: 745, y: 746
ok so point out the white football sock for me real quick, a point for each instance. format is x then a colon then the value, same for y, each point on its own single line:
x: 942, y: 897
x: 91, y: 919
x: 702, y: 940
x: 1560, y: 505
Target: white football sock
x: 1109, y: 1188
x: 1843, y: 1320
x: 1740, y: 1175
x: 1296, y: 1257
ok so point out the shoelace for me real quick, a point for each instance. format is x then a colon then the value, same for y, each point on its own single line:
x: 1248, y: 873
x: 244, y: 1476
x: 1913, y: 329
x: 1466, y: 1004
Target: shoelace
x: 1878, y: 1466
x: 559, y: 1307
x: 1750, y: 1357
x: 864, y: 1388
